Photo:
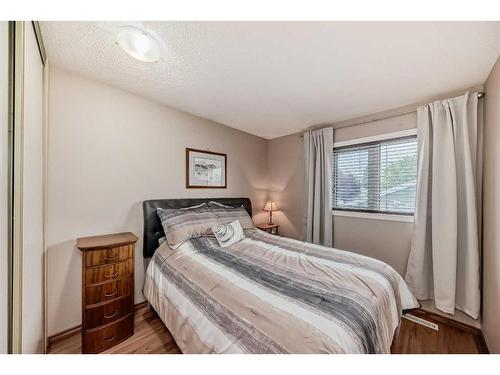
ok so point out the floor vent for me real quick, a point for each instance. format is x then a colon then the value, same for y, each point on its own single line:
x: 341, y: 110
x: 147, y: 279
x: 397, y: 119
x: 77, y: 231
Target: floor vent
x: 421, y: 321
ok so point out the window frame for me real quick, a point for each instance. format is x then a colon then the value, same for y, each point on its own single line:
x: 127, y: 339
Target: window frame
x: 367, y: 213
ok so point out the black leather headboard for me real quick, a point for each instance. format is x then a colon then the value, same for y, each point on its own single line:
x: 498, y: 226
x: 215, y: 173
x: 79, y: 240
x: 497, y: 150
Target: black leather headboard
x: 153, y: 229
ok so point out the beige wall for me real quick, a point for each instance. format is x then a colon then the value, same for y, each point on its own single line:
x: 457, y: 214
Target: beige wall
x: 491, y: 212
x: 33, y: 312
x: 389, y: 125
x: 286, y: 184
x: 385, y: 240
x: 110, y: 150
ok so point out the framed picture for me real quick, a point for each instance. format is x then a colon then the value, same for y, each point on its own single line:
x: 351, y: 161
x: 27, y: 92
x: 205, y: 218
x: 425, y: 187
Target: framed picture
x: 205, y: 169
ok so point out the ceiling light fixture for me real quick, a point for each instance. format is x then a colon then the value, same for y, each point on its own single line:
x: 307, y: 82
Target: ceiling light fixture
x: 139, y: 44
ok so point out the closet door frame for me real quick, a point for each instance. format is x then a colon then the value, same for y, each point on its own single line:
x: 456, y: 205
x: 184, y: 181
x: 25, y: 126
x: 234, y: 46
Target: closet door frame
x: 15, y: 172
x: 16, y: 123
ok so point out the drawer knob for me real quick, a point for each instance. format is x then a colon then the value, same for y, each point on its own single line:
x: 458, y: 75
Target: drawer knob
x: 108, y: 276
x: 111, y: 294
x: 110, y: 258
x: 111, y: 316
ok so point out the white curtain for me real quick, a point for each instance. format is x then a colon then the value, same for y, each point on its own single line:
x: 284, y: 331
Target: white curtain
x: 318, y: 150
x: 444, y: 262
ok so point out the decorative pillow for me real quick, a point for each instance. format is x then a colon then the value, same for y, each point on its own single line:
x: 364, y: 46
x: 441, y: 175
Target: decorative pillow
x: 182, y: 224
x: 228, y: 234
x: 227, y: 214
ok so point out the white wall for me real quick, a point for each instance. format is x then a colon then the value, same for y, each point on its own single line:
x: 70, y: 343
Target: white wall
x: 491, y: 212
x: 33, y: 316
x: 108, y: 151
x: 4, y: 165
x: 385, y: 240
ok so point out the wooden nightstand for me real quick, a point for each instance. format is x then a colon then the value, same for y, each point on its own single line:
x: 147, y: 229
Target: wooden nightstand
x: 270, y: 228
x: 107, y: 290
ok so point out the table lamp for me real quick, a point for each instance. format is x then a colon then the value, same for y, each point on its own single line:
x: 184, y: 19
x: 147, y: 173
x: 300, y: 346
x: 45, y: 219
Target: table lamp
x: 271, y: 206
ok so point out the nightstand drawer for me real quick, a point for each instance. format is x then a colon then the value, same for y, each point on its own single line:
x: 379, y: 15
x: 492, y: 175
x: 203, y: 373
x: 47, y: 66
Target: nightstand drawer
x: 111, y: 255
x: 107, y: 273
x: 99, y: 339
x: 107, y: 313
x: 107, y: 291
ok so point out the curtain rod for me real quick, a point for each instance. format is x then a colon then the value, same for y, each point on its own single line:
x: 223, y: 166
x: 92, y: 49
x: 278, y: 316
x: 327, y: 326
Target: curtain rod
x: 480, y: 95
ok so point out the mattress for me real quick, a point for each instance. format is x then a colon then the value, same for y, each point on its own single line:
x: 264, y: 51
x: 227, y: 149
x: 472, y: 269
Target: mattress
x: 270, y: 294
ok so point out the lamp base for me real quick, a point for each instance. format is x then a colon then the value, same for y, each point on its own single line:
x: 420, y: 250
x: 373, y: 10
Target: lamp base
x: 270, y: 218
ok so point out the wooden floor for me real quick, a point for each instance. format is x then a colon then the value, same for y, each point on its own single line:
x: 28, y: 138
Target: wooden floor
x: 451, y: 338
x: 151, y: 336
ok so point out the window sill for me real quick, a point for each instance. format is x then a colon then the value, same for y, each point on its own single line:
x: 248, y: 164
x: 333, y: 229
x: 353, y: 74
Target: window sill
x: 374, y: 216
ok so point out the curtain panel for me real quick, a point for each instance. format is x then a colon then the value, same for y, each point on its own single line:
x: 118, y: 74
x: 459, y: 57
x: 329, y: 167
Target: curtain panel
x: 444, y: 261
x: 318, y: 151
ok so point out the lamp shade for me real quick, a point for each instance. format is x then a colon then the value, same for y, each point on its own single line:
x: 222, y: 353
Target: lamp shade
x: 271, y: 206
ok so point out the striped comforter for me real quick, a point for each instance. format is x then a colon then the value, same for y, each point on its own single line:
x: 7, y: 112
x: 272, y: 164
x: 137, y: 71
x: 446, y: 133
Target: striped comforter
x: 270, y: 294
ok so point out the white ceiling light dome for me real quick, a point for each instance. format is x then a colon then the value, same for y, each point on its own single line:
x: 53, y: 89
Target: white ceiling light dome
x: 139, y: 44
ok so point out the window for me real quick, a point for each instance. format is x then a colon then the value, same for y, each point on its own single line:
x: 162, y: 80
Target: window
x: 378, y: 176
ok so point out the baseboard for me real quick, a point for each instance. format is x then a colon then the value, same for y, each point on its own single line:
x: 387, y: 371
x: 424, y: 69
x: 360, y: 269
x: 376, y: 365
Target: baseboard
x: 56, y: 337
x: 478, y: 335
x: 140, y: 305
x: 62, y: 335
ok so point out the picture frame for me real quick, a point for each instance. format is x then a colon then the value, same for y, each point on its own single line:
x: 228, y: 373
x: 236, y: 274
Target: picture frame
x: 205, y: 169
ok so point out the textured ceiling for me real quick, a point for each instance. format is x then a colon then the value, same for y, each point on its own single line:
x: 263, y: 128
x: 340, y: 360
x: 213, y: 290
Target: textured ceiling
x: 275, y: 78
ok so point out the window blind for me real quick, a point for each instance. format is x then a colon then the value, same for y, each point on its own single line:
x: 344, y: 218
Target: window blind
x: 376, y: 177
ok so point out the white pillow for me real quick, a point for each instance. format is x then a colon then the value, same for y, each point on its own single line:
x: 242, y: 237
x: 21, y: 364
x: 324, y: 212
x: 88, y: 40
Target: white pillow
x: 228, y: 234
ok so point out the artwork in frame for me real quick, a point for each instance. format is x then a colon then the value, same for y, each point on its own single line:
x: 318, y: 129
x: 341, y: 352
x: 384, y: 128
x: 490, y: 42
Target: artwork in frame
x: 205, y: 169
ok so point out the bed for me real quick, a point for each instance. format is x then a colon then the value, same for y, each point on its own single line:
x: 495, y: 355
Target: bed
x: 269, y: 294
